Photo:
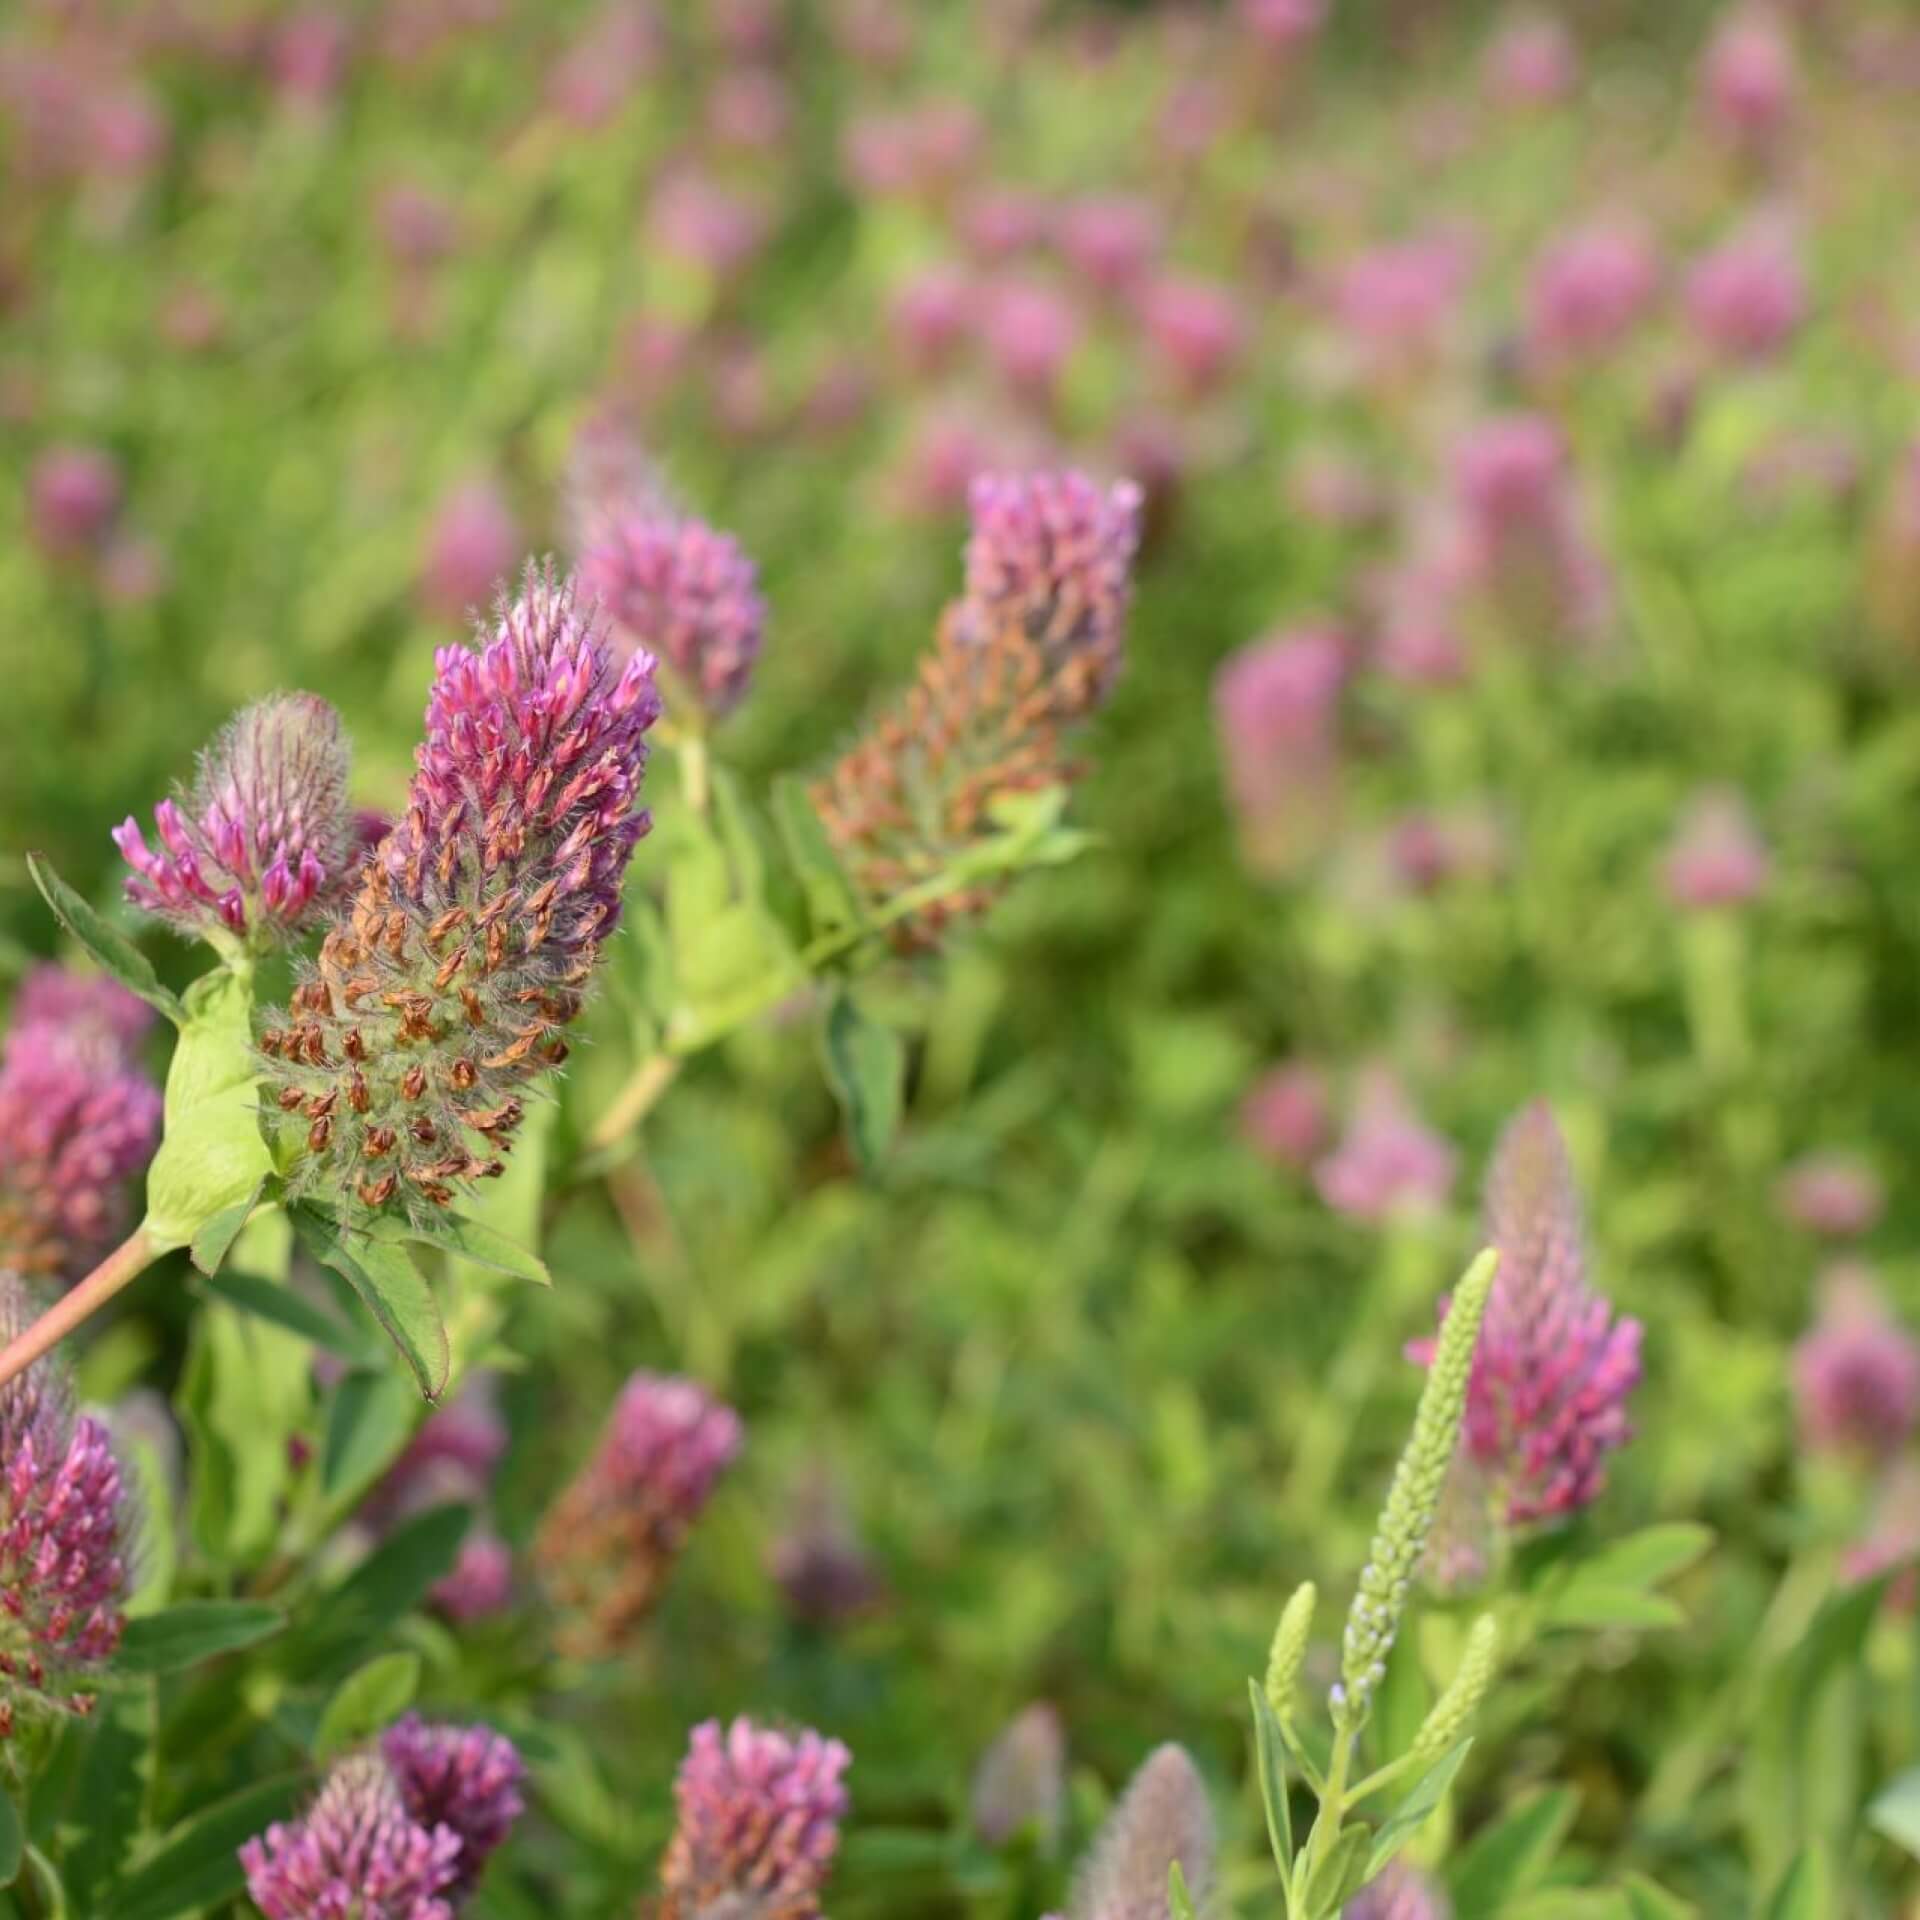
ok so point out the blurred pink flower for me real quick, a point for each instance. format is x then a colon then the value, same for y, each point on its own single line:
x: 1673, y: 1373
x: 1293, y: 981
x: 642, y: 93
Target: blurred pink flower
x: 595, y: 77
x: 1856, y: 1371
x: 1532, y: 62
x: 695, y: 218
x: 1284, y: 26
x: 73, y: 499
x: 749, y: 110
x: 1031, y: 332
x: 307, y: 56
x: 1588, y: 290
x: 1399, y: 300
x: 997, y: 223
x: 1197, y: 329
x: 418, y: 227
x: 1748, y: 77
x: 1747, y: 297
x: 1110, y: 240
x: 931, y: 316
x: 1276, y: 710
x: 473, y: 548
x: 1717, y: 858
x: 1388, y: 1160
x: 1287, y: 1116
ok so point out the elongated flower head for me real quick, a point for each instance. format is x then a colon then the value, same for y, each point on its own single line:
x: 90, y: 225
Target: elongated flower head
x: 78, y: 1119
x: 1450, y: 1718
x: 64, y: 1524
x: 759, y: 1823
x: 1287, y: 1656
x: 1412, y: 1503
x: 610, y: 1542
x: 1276, y: 707
x: 1162, y: 1817
x: 1402, y: 1892
x: 1052, y: 554
x: 1021, y: 1781
x: 688, y: 594
x: 465, y: 1780
x: 357, y: 1854
x: 1856, y: 1373
x: 1555, y: 1367
x: 448, y: 985
x: 1748, y: 78
x: 264, y: 843
x: 1029, y: 650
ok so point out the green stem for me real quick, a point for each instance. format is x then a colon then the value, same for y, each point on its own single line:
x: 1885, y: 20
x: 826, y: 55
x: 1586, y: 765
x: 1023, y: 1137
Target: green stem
x: 1334, y: 1801
x: 696, y: 774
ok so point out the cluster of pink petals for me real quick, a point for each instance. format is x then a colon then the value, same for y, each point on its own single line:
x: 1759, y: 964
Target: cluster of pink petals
x: 466, y: 1780
x: 759, y: 1821
x: 1554, y: 1368
x: 78, y: 1119
x: 1388, y: 1161
x: 1856, y: 1372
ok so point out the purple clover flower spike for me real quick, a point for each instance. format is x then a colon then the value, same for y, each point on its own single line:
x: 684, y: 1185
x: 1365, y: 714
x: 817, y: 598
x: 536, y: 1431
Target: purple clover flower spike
x: 476, y: 927
x: 610, y: 1542
x: 1388, y: 1159
x: 356, y: 1855
x: 264, y: 842
x: 1856, y: 1372
x: 463, y: 1780
x: 1717, y: 858
x: 1402, y: 1892
x: 1021, y: 1781
x: 480, y: 1584
x: 63, y: 1532
x: 1553, y: 1369
x: 759, y: 1823
x: 685, y: 592
x: 1162, y: 1817
x: 78, y: 1119
x: 1832, y: 1194
x: 1051, y: 554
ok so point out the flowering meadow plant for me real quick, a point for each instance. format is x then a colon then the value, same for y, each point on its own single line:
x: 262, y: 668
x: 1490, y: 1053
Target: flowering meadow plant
x: 955, y: 960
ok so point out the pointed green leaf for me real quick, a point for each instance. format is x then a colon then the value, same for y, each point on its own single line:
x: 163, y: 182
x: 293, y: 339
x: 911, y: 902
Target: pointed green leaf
x: 212, y: 1157
x: 1272, y: 1765
x: 866, y: 1068
x: 197, y: 1865
x: 1341, y: 1872
x: 1645, y: 1901
x: 1509, y: 1857
x: 1415, y: 1809
x: 182, y: 1636
x: 367, y: 1700
x: 270, y: 1301
x: 104, y: 941
x: 369, y: 1422
x: 214, y: 1241
x: 393, y: 1289
x: 1179, y: 1900
x: 1586, y: 1603
x: 832, y: 905
x: 101, y: 1814
x: 1646, y: 1558
x: 470, y: 1239
x: 1805, y: 1893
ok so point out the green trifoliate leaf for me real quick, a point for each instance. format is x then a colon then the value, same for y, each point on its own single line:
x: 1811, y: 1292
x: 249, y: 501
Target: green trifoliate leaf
x: 104, y: 941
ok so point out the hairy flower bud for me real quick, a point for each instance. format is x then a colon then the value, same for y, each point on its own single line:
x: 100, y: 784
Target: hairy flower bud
x: 1031, y: 648
x: 611, y: 1539
x: 357, y: 1851
x: 759, y: 1824
x: 464, y: 1780
x: 447, y: 986
x: 1450, y: 1718
x: 1413, y: 1498
x: 1555, y: 1368
x: 1288, y: 1654
x: 1021, y: 1781
x: 63, y: 1531
x: 78, y: 1118
x: 1162, y: 1817
x: 265, y: 842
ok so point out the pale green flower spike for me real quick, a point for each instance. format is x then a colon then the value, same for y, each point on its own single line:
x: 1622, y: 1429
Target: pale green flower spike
x: 1289, y: 1652
x: 1446, y: 1725
x: 1412, y: 1501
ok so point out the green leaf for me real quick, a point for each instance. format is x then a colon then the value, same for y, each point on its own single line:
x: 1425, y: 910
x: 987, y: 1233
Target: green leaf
x: 386, y: 1586
x: 1647, y: 1558
x: 104, y: 941
x: 1272, y: 1767
x: 1584, y: 1603
x: 370, y: 1421
x: 365, y: 1702
x: 474, y: 1240
x: 197, y: 1865
x: 1511, y: 1856
x: 282, y: 1307
x: 1805, y: 1893
x: 213, y: 1156
x: 393, y: 1289
x: 1895, y: 1811
x: 1179, y: 1900
x: 13, y: 1841
x: 195, y: 1630
x: 1416, y: 1808
x: 865, y: 1066
x: 103, y: 1806
x: 1645, y: 1901
x: 1341, y: 1873
x: 832, y: 905
x: 214, y: 1241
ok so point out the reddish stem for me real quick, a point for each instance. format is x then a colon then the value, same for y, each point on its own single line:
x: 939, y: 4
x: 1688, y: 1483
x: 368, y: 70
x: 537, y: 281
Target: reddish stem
x: 125, y: 1264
